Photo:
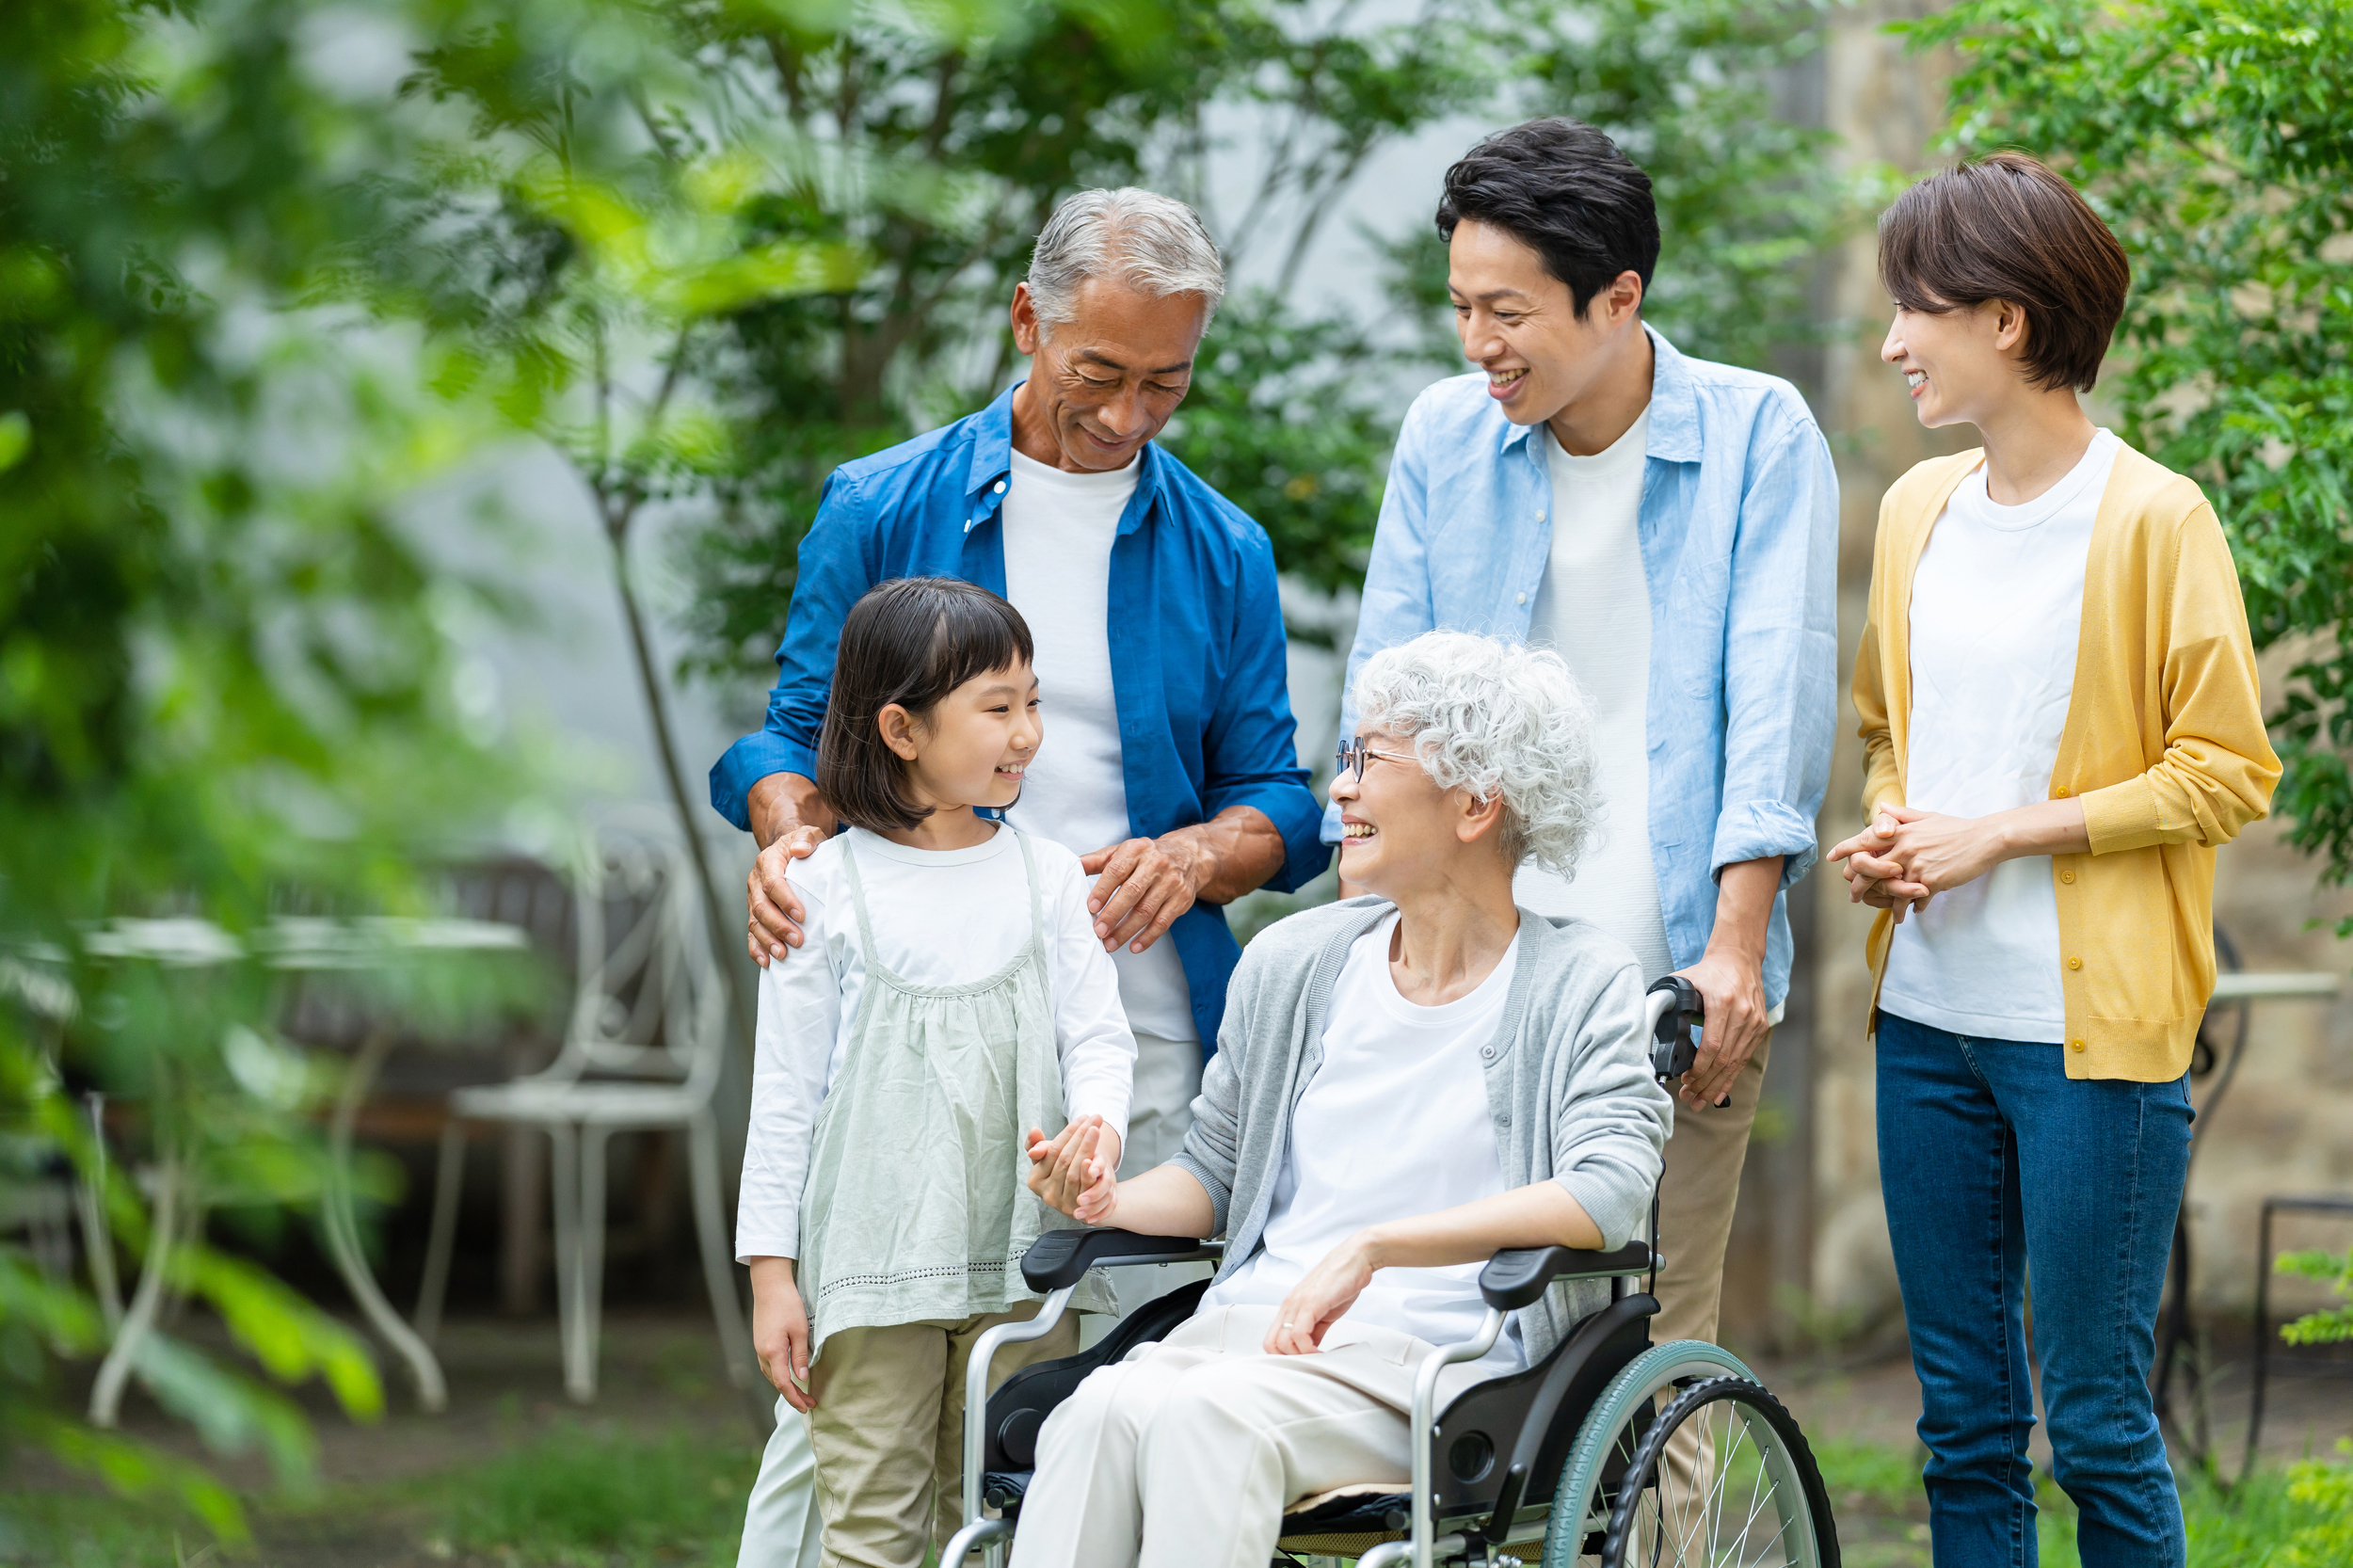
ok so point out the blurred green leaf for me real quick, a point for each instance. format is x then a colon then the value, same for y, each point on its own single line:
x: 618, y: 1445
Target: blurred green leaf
x: 289, y: 1336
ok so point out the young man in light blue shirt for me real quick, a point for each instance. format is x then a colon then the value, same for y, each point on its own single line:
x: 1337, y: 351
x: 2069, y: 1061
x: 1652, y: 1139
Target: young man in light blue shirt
x: 1670, y: 526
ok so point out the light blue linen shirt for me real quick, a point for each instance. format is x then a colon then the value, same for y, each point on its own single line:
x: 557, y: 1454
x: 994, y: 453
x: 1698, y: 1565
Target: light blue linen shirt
x: 1740, y: 538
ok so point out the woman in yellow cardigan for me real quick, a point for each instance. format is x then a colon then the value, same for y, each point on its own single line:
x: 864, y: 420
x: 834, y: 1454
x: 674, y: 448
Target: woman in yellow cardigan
x: 2062, y: 717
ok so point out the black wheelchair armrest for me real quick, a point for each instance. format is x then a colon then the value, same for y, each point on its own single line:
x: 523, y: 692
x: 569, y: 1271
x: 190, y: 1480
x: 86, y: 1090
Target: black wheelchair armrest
x: 1517, y: 1276
x: 1062, y: 1257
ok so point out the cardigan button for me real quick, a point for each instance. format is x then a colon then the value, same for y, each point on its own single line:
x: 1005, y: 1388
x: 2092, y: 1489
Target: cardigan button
x: 2060, y: 792
x: 2074, y: 962
x: 2066, y: 876
x: 2074, y: 1044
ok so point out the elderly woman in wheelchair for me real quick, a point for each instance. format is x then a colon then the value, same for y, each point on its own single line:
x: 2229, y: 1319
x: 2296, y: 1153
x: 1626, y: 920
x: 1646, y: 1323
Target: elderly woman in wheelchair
x: 1408, y: 1086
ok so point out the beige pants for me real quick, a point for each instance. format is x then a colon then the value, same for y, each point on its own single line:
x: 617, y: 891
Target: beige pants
x: 1185, y: 1454
x: 888, y: 1431
x: 1696, y: 1197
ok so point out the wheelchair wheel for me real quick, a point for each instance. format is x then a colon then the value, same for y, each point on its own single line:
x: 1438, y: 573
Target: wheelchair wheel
x: 1723, y: 1478
x: 1611, y: 1434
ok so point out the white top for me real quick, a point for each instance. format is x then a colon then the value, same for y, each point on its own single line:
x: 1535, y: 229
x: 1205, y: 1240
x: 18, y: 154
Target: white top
x: 1996, y: 603
x: 1593, y: 608
x: 1058, y: 529
x: 940, y: 917
x: 1395, y: 1123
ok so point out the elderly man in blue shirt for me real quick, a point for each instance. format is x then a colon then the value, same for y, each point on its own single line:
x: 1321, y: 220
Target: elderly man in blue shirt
x: 1670, y: 526
x: 1171, y: 764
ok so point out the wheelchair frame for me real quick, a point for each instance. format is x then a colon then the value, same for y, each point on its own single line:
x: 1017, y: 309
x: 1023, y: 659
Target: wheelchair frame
x: 1595, y: 1369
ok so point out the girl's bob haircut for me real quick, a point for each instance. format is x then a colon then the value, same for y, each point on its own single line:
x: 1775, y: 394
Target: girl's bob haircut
x: 908, y: 642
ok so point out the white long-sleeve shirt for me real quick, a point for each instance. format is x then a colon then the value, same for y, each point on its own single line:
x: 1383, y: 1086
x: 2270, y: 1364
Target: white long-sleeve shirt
x: 939, y: 917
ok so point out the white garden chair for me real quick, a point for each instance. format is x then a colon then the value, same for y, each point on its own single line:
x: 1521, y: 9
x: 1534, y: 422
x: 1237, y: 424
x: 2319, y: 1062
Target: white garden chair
x: 642, y: 1051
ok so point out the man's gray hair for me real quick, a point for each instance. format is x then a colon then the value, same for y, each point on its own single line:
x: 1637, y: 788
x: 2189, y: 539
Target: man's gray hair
x: 1494, y: 718
x: 1153, y: 244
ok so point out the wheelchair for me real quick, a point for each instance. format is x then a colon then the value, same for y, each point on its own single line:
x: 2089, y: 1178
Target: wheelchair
x: 1609, y: 1452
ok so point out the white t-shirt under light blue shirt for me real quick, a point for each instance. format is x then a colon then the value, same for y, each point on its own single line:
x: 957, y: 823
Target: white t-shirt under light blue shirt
x: 1996, y: 607
x: 1395, y: 1123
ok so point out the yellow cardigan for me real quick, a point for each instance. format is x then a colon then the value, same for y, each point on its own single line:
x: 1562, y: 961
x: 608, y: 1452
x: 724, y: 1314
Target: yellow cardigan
x: 2164, y: 744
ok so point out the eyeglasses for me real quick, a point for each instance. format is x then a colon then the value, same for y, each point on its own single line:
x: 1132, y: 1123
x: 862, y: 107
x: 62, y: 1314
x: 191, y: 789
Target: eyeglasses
x: 1352, y: 755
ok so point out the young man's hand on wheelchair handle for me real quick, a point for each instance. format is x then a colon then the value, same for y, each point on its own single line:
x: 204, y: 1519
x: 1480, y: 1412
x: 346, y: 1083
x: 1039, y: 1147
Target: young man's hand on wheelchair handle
x: 780, y: 1330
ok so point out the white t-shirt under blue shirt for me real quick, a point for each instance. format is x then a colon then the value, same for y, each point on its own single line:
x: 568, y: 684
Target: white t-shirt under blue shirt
x: 1394, y: 1124
x: 1996, y: 606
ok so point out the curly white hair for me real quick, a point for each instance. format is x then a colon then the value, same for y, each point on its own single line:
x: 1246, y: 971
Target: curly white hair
x: 1494, y: 718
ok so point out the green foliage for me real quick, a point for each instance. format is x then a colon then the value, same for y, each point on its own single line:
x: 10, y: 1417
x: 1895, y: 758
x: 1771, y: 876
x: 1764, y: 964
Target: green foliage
x: 582, y: 1498
x: 226, y: 689
x: 1855, y: 1473
x: 2330, y: 1324
x: 1292, y: 412
x: 1692, y: 90
x: 2217, y: 139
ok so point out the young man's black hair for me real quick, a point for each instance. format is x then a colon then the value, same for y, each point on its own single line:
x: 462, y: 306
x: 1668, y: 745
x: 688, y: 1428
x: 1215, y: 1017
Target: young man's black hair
x: 1564, y: 191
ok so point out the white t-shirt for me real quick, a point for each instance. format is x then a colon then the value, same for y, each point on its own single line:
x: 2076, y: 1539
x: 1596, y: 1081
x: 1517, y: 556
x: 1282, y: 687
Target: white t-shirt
x: 1395, y: 1123
x: 940, y: 917
x: 1996, y: 603
x: 1593, y: 609
x: 1059, y: 529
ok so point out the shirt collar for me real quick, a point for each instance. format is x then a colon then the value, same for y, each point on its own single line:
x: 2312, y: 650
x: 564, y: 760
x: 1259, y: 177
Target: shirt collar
x: 992, y: 444
x: 1674, y: 406
x: 991, y: 465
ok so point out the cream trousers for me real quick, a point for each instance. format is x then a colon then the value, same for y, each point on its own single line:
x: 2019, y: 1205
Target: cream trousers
x: 1185, y: 1454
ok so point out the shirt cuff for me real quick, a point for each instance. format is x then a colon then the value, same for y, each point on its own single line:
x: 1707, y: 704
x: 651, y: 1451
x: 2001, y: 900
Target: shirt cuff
x: 745, y: 763
x: 1756, y: 829
x: 1615, y: 1213
x: 1220, y: 1195
x: 2121, y: 816
x: 1292, y: 808
x: 784, y: 1241
x: 1114, y: 1112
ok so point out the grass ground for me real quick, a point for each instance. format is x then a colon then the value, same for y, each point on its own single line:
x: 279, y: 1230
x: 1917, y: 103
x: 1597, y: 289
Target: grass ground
x: 655, y: 1475
x: 590, y: 1495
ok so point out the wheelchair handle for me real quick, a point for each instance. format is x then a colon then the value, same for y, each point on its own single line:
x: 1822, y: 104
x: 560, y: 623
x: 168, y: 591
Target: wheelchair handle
x: 1672, y: 1009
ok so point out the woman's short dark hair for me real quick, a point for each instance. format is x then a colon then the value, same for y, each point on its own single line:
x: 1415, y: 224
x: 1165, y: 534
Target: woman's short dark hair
x: 910, y: 642
x: 2006, y: 227
x: 1564, y: 191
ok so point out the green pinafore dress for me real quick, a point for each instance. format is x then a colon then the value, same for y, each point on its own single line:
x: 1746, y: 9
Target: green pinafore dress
x: 917, y: 1207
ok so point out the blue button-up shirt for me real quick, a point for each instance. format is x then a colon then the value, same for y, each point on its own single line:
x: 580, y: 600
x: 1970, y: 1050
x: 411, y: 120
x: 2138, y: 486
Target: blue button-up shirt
x: 1739, y: 540
x: 1197, y: 648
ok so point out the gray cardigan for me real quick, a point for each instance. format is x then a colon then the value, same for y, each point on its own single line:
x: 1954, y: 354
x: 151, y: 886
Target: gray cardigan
x: 1568, y: 1082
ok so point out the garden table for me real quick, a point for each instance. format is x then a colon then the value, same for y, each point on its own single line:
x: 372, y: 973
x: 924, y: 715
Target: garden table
x: 2240, y: 990
x: 297, y: 945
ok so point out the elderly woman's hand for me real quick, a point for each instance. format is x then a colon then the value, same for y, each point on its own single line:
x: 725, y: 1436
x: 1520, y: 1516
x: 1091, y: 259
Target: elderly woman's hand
x: 1076, y: 1171
x: 1318, y: 1301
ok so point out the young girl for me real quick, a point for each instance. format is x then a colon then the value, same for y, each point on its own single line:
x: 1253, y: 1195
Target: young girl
x: 951, y: 998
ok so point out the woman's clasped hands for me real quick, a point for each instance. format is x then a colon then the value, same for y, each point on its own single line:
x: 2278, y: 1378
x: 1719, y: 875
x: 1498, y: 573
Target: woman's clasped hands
x: 1906, y: 857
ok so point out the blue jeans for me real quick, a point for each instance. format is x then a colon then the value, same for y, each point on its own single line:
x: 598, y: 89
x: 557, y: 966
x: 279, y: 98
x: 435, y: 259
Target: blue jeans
x: 1994, y: 1162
